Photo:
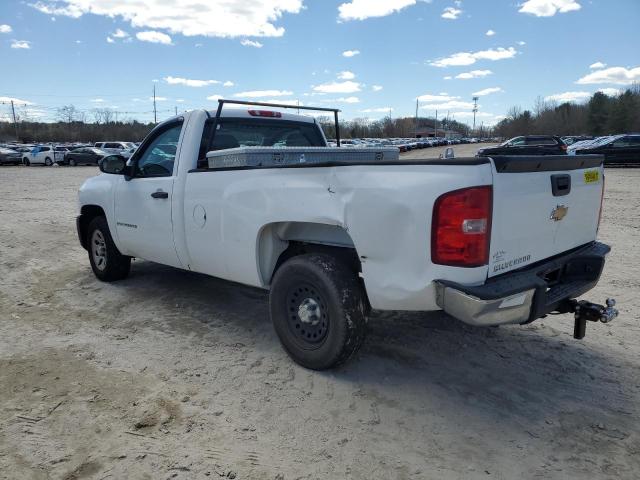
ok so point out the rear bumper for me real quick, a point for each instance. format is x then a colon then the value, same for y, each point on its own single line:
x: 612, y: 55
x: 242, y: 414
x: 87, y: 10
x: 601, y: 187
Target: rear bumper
x: 527, y: 294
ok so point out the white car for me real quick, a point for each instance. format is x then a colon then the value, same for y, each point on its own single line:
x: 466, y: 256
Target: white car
x: 490, y: 241
x: 115, y: 147
x: 39, y: 155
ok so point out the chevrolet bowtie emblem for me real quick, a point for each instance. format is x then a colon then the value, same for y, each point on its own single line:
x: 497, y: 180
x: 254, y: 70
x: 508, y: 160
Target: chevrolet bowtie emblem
x: 558, y: 213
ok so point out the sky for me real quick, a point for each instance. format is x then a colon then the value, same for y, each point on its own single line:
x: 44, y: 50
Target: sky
x: 370, y: 58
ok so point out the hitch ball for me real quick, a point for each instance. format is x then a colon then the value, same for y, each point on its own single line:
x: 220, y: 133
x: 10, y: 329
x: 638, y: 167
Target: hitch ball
x: 609, y: 313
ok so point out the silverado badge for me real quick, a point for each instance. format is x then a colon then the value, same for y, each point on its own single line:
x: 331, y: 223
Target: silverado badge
x: 558, y: 213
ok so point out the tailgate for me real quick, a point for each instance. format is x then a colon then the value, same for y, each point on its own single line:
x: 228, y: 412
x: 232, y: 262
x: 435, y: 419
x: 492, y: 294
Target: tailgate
x: 542, y: 206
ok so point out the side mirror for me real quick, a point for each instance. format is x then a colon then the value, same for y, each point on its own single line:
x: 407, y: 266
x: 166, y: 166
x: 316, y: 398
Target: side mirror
x: 114, y: 164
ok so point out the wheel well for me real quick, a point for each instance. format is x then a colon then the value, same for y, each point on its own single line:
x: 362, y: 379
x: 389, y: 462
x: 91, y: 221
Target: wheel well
x: 87, y: 214
x: 280, y: 241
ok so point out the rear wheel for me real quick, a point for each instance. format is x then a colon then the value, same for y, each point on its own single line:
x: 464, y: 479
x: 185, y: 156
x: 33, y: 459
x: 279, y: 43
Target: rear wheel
x: 48, y: 162
x: 318, y: 310
x: 107, y: 263
x: 72, y: 163
x: 26, y: 162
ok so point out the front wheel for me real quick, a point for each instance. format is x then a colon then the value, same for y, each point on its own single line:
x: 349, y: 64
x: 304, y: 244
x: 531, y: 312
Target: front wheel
x: 26, y: 162
x: 48, y: 162
x: 318, y: 310
x: 107, y: 263
x: 72, y: 163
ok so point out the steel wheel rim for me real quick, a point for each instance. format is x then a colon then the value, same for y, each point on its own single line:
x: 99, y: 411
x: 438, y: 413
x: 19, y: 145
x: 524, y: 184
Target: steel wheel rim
x: 99, y: 250
x: 307, y: 316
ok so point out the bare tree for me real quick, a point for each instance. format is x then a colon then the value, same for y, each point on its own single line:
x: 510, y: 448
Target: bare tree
x: 67, y: 113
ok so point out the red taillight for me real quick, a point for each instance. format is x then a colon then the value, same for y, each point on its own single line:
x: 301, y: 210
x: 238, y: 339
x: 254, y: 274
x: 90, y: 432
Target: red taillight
x: 601, y: 203
x: 265, y: 113
x: 461, y: 227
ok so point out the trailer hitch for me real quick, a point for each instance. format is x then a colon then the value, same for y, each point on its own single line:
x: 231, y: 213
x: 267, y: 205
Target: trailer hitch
x: 584, y: 310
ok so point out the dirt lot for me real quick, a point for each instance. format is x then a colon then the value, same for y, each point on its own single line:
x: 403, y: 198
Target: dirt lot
x: 170, y: 374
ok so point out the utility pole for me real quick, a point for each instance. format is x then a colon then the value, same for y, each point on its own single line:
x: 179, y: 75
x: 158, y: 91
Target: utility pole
x: 155, y: 112
x: 475, y: 110
x: 436, y: 126
x: 15, y: 123
x: 416, y: 125
x: 176, y: 109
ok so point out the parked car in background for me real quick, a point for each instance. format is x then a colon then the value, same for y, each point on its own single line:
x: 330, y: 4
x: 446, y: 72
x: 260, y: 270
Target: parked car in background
x: 114, y: 147
x: 617, y: 150
x: 59, y: 152
x: 10, y: 157
x: 527, y: 145
x: 39, y: 155
x: 84, y: 156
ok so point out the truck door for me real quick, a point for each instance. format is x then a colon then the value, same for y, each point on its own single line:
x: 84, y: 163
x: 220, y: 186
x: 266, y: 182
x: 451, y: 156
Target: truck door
x: 143, y: 204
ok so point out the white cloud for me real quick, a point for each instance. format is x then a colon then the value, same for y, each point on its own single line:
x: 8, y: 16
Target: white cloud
x: 346, y: 75
x: 376, y: 88
x: 347, y: 86
x: 251, y: 43
x: 5, y: 28
x: 448, y: 77
x: 490, y: 33
x: 522, y: 42
x: 474, y: 74
x: 548, y: 8
x: 21, y: 44
x: 451, y: 13
x: 597, y: 66
x: 449, y: 105
x: 350, y: 53
x: 568, y: 97
x: 363, y: 9
x: 97, y: 100
x: 16, y: 101
x: 611, y: 92
x: 159, y: 99
x: 211, y: 18
x: 154, y: 37
x: 78, y: 42
x: 469, y: 58
x: 228, y: 83
x: 443, y: 97
x: 187, y: 82
x: 487, y: 91
x: 614, y: 75
x: 263, y: 93
x: 119, y: 34
x: 377, y: 110
x: 347, y: 100
x: 214, y: 97
x: 110, y: 40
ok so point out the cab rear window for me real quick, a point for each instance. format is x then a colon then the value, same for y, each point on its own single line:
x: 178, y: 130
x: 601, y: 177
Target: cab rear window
x: 241, y: 132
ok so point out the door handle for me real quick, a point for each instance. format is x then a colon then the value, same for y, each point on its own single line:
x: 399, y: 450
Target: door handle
x: 160, y: 194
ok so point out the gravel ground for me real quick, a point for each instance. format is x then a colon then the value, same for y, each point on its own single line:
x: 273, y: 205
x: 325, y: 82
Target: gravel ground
x: 170, y: 374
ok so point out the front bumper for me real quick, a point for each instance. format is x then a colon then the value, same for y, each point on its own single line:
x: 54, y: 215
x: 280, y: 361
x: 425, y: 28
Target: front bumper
x: 526, y: 294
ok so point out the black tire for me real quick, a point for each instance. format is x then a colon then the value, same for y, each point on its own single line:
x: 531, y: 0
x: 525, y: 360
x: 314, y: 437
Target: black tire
x: 72, y: 163
x: 318, y: 310
x: 48, y: 162
x: 26, y: 162
x: 107, y: 263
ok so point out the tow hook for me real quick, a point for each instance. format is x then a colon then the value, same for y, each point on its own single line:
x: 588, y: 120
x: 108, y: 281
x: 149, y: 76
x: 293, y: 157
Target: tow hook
x: 584, y: 310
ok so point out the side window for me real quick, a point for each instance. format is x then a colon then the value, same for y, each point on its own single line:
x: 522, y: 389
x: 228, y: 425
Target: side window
x: 620, y: 143
x: 516, y: 141
x: 156, y: 156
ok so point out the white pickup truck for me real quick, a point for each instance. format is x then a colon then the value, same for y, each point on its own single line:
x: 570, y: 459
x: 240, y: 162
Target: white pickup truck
x: 491, y: 241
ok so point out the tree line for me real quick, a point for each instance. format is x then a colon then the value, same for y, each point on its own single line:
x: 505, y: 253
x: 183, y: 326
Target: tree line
x: 600, y: 115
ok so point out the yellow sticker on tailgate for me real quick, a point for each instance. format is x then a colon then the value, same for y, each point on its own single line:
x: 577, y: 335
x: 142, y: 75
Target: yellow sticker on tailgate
x: 591, y: 176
